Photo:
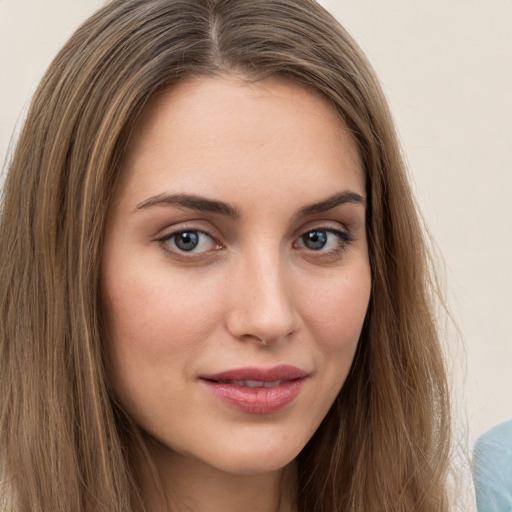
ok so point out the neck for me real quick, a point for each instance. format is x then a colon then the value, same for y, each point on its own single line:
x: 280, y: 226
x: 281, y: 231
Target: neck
x: 188, y: 484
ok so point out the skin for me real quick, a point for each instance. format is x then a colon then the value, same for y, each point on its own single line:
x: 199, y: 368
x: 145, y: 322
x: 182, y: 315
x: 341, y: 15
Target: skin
x: 254, y: 292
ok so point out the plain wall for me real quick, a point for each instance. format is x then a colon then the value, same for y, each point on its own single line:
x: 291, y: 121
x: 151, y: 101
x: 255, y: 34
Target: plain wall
x: 446, y: 67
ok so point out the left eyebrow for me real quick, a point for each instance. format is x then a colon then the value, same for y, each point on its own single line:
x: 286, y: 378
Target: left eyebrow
x: 191, y: 202
x: 331, y: 202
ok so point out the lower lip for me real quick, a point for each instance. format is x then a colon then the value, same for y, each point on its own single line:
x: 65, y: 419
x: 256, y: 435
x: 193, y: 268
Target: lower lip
x: 257, y: 400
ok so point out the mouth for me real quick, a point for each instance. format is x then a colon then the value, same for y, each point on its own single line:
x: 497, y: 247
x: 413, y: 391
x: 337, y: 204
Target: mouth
x: 257, y: 390
x: 252, y: 383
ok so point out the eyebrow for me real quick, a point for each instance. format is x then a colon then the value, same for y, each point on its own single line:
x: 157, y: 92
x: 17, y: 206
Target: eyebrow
x: 331, y: 202
x: 192, y: 202
x: 199, y: 203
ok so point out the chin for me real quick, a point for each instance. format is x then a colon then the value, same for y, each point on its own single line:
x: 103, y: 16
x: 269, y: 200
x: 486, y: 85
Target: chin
x: 262, y: 455
x: 251, y: 464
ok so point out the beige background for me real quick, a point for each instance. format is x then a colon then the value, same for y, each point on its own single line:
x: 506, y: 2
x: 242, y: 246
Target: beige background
x: 446, y: 66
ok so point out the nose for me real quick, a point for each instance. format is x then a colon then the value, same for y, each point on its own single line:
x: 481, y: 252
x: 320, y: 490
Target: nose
x: 262, y: 307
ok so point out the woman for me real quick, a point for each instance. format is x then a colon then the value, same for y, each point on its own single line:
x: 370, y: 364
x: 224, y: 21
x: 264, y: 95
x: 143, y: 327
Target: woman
x: 215, y: 292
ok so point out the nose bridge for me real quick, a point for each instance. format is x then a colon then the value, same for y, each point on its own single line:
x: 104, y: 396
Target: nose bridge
x: 263, y: 306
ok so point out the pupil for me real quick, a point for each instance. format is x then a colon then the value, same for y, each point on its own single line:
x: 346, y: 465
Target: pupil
x: 315, y: 239
x: 187, y: 241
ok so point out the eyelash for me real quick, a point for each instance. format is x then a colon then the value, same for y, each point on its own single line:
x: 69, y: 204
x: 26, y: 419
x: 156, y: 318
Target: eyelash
x: 344, y: 238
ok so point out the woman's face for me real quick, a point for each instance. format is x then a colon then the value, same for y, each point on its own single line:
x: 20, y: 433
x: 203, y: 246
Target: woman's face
x: 235, y: 272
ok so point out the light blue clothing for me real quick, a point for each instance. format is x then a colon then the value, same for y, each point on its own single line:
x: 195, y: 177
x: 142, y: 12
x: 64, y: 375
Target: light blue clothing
x: 492, y: 469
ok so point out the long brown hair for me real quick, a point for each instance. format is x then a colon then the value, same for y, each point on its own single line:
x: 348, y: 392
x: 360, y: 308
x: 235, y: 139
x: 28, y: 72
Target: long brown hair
x: 65, y: 445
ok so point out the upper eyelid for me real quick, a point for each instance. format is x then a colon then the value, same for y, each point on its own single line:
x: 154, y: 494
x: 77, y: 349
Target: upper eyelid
x: 177, y: 231
x: 341, y: 233
x: 332, y: 225
x: 171, y: 230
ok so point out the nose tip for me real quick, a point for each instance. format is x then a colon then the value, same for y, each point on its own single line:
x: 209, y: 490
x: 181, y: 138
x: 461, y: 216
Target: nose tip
x: 265, y: 329
x: 263, y: 309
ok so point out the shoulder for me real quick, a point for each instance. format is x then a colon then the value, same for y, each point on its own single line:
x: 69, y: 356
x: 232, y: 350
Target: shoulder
x: 494, y: 448
x: 492, y: 469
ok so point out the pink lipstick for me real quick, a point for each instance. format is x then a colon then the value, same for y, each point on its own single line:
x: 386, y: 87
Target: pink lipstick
x: 257, y: 390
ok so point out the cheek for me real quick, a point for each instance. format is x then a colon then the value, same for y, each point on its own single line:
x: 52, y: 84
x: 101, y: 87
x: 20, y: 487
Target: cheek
x: 155, y: 328
x: 337, y: 313
x: 151, y: 309
x: 334, y: 317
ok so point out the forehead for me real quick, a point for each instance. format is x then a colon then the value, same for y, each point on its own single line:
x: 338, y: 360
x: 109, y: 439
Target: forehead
x: 206, y: 132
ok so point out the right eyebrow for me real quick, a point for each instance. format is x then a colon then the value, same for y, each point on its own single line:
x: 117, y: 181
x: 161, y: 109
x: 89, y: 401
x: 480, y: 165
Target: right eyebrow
x: 192, y: 202
x: 331, y: 202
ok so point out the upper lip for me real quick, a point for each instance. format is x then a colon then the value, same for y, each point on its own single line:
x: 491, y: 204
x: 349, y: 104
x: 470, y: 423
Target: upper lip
x: 275, y: 373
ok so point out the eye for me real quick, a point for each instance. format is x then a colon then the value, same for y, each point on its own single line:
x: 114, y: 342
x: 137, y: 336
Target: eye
x: 323, y: 240
x: 189, y: 240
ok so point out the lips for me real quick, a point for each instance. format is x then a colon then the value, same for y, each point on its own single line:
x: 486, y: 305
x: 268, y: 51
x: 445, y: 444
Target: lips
x: 257, y: 390
x: 253, y: 383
